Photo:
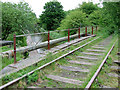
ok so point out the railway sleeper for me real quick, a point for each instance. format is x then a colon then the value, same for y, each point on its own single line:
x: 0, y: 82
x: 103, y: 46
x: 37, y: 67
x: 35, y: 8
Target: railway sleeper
x: 95, y: 50
x: 85, y: 57
x: 98, y: 47
x: 65, y: 80
x: 81, y: 62
x: 71, y: 68
x: 113, y: 75
x: 91, y: 53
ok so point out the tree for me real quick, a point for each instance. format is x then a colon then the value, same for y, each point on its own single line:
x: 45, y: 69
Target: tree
x: 17, y: 18
x: 52, y: 16
x: 96, y: 17
x: 74, y: 19
x: 88, y: 8
x: 111, y: 15
x: 113, y: 8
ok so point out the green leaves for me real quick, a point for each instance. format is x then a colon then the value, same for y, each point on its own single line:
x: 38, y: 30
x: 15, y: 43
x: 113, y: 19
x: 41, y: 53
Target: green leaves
x: 17, y: 18
x: 74, y: 19
x: 88, y: 8
x: 52, y: 16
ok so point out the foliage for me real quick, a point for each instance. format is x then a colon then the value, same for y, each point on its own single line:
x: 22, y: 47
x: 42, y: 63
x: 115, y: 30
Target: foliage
x: 110, y: 17
x: 16, y: 18
x: 114, y: 10
x: 33, y: 77
x: 52, y: 16
x: 95, y: 17
x: 74, y: 19
x: 88, y: 8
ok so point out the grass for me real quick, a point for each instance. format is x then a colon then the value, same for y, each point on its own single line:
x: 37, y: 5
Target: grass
x: 47, y: 70
x: 6, y: 48
x: 103, y: 79
x: 28, y: 69
x: 6, y: 61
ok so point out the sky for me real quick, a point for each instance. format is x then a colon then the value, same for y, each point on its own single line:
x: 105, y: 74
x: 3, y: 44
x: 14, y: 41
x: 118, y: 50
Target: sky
x: 37, y: 5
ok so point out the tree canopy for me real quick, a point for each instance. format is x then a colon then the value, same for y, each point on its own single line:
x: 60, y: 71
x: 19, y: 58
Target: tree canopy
x: 88, y: 8
x: 52, y: 16
x: 17, y: 18
x: 74, y: 19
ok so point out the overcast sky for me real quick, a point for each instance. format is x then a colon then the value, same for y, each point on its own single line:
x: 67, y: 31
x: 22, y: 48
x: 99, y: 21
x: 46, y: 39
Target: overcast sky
x: 37, y: 5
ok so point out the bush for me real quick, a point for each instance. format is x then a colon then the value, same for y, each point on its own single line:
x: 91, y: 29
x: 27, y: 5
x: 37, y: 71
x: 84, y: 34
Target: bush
x: 74, y: 19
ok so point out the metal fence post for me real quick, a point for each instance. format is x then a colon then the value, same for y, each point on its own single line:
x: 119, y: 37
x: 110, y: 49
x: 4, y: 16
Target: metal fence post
x: 79, y: 32
x: 14, y: 38
x: 85, y: 31
x: 68, y: 35
x: 92, y: 30
x: 48, y: 40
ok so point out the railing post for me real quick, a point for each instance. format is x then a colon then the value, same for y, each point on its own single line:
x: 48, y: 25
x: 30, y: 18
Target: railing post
x: 79, y: 32
x: 68, y: 35
x: 48, y: 40
x: 92, y: 30
x: 85, y: 31
x: 14, y: 38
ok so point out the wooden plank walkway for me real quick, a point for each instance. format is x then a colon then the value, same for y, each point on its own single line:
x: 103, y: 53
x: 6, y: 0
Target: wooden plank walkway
x: 65, y: 80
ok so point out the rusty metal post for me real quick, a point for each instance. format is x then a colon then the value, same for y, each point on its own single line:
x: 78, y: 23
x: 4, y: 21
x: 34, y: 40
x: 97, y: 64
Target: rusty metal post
x: 68, y: 35
x: 79, y: 32
x: 48, y: 40
x: 85, y: 31
x: 14, y: 38
x: 92, y: 30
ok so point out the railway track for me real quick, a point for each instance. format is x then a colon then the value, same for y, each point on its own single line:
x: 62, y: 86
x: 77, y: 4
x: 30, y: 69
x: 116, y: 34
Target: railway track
x: 76, y: 69
x: 35, y: 57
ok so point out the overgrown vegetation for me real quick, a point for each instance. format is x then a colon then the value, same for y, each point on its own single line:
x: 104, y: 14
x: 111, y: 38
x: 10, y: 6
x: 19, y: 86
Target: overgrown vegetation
x: 20, y: 19
x: 103, y: 79
x: 17, y: 19
x: 50, y: 18
x: 7, y: 61
x: 49, y: 57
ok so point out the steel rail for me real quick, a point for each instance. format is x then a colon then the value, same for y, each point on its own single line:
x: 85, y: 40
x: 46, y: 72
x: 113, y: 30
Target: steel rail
x: 15, y: 80
x: 98, y: 70
x: 56, y: 51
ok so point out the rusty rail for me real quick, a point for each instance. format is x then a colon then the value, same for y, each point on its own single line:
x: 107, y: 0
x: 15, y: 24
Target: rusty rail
x: 98, y: 70
x: 11, y: 82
